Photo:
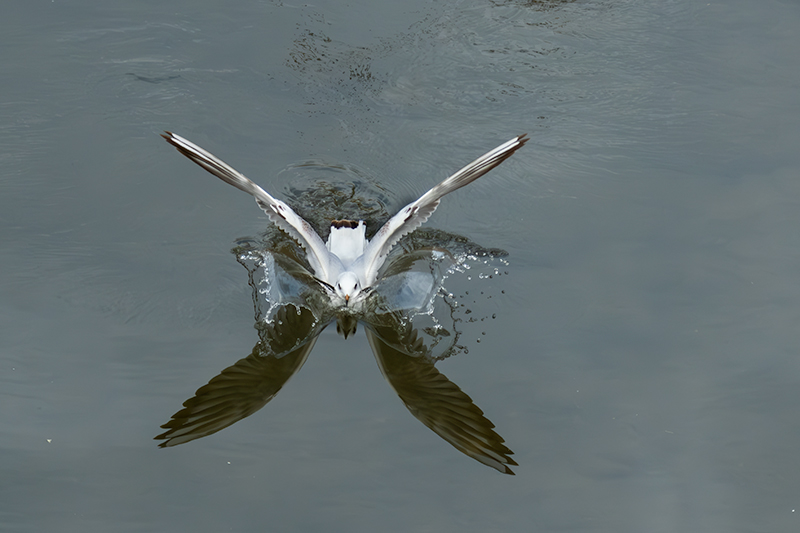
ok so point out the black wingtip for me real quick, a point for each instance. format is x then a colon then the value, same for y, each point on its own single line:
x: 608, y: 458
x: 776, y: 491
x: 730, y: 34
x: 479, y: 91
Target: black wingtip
x: 170, y: 138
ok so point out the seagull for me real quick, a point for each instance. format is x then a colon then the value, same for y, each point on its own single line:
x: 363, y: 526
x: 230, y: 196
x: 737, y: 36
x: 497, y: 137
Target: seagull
x: 347, y: 264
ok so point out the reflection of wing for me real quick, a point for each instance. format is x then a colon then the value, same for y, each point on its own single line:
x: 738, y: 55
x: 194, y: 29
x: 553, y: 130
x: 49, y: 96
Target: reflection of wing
x: 417, y: 212
x: 433, y: 399
x: 278, y: 212
x: 244, y: 388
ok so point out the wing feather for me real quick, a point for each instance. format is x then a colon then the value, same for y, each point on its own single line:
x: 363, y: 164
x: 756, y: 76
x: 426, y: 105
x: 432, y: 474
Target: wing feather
x: 416, y: 213
x: 277, y: 211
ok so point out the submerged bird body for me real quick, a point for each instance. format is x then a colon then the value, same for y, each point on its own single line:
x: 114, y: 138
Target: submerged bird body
x: 347, y: 264
x: 346, y: 243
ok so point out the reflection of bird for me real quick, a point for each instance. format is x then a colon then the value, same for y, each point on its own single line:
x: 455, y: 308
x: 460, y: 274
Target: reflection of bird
x: 347, y: 264
x: 247, y: 386
x: 433, y: 399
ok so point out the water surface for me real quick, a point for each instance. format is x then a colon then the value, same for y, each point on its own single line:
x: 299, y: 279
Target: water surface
x: 643, y: 363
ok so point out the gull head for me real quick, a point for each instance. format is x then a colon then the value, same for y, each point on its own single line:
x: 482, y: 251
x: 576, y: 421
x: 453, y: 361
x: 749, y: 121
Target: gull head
x: 348, y: 287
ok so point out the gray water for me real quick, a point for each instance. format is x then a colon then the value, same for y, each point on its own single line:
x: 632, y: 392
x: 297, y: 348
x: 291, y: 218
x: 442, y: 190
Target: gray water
x: 643, y: 362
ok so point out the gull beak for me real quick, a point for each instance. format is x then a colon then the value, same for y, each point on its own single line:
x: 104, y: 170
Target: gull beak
x: 346, y: 299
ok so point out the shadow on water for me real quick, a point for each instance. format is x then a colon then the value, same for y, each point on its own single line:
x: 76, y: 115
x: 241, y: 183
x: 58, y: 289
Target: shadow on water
x: 410, y: 318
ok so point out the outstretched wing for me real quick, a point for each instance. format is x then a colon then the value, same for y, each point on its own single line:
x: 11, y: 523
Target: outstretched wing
x: 277, y: 211
x: 416, y: 213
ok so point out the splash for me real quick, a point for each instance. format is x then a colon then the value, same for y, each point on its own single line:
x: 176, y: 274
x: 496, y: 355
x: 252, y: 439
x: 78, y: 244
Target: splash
x: 418, y: 287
